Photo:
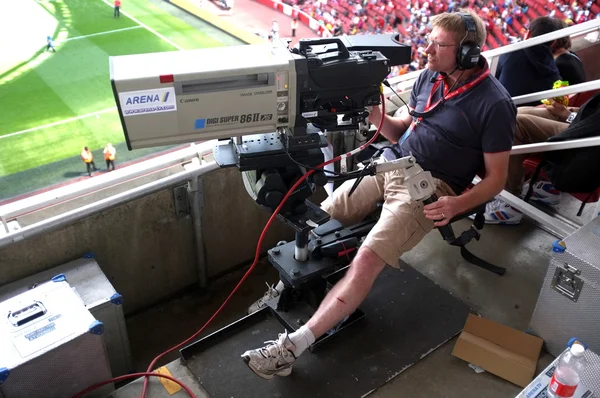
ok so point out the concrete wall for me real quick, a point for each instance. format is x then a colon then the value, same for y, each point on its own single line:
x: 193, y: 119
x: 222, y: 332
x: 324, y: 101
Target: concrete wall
x: 145, y: 249
x: 233, y: 222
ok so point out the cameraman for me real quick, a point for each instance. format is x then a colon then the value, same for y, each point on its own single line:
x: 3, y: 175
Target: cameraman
x: 473, y: 129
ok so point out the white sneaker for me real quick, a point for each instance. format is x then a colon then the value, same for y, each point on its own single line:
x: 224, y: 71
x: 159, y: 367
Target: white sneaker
x: 271, y: 293
x: 543, y: 192
x: 499, y: 212
x: 274, y: 359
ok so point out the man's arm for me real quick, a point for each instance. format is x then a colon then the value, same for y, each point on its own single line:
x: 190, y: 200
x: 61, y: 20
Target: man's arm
x: 393, y: 127
x: 496, y: 172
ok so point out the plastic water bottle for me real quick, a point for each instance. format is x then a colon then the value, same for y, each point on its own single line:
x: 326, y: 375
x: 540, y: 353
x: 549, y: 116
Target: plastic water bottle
x: 567, y: 374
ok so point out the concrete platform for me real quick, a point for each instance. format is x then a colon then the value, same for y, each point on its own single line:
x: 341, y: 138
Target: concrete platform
x: 524, y: 250
x: 157, y: 390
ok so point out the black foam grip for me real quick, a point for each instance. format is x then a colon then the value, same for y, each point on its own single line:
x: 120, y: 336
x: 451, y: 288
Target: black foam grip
x: 446, y: 231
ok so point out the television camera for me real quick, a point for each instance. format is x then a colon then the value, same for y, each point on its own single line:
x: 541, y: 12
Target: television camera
x: 268, y: 106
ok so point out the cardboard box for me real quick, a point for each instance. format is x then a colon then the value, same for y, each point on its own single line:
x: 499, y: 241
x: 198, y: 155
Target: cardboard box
x: 503, y: 351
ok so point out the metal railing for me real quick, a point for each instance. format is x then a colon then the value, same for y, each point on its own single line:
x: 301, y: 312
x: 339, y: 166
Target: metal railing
x: 406, y: 81
x: 69, y: 192
x: 79, y: 213
x: 556, y: 146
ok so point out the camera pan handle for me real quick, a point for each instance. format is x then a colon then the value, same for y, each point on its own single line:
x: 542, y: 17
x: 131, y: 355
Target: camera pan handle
x: 306, y: 43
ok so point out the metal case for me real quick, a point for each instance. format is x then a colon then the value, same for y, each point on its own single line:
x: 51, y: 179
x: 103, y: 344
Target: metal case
x: 99, y: 297
x: 50, y: 345
x: 569, y: 302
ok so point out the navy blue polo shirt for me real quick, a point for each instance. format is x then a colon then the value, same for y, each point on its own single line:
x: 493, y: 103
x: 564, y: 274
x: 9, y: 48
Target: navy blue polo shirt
x: 451, y: 141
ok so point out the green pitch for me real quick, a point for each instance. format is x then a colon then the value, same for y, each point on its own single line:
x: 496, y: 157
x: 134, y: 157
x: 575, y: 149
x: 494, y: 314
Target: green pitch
x: 53, y: 104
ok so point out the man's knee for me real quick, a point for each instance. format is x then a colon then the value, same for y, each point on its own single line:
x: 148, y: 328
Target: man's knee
x: 353, y: 209
x: 366, y: 266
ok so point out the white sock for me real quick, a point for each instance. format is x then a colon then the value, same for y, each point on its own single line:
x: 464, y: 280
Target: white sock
x: 280, y: 286
x: 301, y: 338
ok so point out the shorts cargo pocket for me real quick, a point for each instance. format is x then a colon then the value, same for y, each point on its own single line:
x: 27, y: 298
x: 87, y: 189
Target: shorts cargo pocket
x: 415, y: 227
x: 419, y: 215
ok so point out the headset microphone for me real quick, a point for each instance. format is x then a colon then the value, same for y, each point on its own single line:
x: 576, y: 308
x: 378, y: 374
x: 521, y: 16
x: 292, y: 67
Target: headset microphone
x: 422, y: 115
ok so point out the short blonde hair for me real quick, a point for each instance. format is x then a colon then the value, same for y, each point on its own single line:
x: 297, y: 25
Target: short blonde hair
x: 453, y: 22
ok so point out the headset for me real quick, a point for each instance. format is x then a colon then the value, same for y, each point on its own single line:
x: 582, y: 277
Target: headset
x: 467, y: 57
x: 468, y: 53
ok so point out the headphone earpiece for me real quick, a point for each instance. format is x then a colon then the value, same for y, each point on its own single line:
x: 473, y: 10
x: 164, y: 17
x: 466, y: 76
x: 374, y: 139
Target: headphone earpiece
x: 468, y: 53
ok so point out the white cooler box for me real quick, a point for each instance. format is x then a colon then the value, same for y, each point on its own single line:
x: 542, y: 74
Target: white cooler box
x: 99, y: 297
x: 50, y: 345
x: 588, y: 388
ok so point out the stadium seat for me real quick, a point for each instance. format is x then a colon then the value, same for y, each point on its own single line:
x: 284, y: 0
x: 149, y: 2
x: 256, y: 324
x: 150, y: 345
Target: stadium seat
x: 531, y: 13
x: 580, y: 98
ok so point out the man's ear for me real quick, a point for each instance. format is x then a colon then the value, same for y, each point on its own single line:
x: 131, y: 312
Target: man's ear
x: 526, y: 35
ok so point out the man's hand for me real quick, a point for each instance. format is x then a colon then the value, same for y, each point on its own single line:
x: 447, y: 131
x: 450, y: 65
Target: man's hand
x: 442, y: 210
x: 375, y: 115
x: 558, y: 110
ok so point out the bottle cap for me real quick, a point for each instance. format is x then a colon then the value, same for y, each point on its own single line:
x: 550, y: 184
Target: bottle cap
x: 577, y: 350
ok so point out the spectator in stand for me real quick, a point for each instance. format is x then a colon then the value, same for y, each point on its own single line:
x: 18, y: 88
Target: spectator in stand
x: 338, y: 30
x: 385, y: 16
x: 534, y: 124
x: 531, y: 69
x: 569, y: 65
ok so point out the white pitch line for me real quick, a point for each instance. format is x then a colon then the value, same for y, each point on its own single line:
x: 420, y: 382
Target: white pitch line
x: 147, y: 27
x: 103, y: 33
x: 72, y: 119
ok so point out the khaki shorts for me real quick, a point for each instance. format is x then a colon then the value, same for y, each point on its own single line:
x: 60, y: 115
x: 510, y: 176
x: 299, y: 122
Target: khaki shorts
x: 402, y: 223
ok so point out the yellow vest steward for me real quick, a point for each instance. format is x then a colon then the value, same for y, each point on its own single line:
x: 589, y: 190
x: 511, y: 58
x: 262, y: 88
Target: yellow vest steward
x: 87, y: 156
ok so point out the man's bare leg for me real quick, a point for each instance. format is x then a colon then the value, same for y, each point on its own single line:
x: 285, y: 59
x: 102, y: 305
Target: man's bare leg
x: 345, y: 297
x: 277, y: 358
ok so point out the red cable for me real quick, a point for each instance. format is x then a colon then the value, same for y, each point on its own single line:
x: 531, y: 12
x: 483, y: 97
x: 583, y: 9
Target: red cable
x: 346, y: 251
x: 256, y: 257
x: 262, y: 235
x: 131, y: 376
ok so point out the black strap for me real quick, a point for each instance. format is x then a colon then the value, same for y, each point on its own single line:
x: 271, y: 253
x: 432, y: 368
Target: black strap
x: 466, y: 237
x: 584, y: 203
x: 473, y: 259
